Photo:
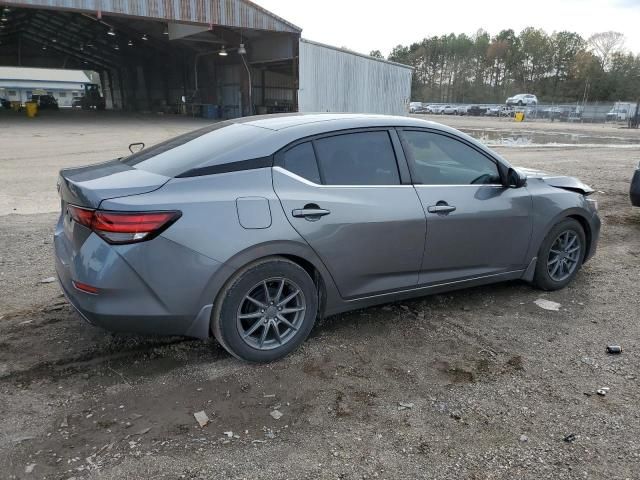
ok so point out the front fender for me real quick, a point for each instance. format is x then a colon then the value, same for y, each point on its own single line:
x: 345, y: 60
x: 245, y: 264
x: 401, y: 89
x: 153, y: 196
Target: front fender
x: 551, y: 205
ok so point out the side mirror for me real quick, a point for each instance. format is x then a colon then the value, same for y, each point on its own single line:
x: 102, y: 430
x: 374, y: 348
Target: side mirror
x: 136, y: 147
x: 516, y: 179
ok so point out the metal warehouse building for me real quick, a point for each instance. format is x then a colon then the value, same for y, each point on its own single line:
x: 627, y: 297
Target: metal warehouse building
x: 227, y: 57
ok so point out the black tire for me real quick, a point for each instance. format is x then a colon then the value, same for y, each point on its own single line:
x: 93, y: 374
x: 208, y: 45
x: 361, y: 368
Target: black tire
x: 520, y: 103
x: 225, y: 324
x: 542, y: 277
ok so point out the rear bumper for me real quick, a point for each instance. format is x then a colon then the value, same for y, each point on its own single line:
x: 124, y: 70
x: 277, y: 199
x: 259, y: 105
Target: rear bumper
x: 155, y: 287
x: 634, y: 193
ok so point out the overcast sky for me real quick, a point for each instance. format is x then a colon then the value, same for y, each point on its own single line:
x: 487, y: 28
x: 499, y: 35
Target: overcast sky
x: 365, y: 25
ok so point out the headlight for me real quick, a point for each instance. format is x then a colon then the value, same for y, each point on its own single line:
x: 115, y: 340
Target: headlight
x: 594, y: 204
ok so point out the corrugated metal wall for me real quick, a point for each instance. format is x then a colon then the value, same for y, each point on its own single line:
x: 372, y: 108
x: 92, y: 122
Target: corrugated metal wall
x: 334, y: 80
x: 232, y: 13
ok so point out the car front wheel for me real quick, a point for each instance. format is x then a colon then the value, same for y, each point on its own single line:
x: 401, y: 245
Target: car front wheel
x: 266, y: 310
x: 560, y: 256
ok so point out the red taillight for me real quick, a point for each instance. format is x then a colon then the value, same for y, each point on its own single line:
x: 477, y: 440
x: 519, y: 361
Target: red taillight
x: 83, y: 216
x: 124, y: 227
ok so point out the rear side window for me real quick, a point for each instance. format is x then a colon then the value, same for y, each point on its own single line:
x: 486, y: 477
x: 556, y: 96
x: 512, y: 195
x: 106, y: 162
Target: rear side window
x: 363, y: 158
x: 301, y: 160
x: 213, y: 145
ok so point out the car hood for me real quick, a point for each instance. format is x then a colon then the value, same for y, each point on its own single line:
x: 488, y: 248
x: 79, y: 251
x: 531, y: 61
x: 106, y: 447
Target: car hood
x: 559, y: 181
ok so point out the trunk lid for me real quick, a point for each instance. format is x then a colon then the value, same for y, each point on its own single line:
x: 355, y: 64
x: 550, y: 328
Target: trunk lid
x: 89, y: 186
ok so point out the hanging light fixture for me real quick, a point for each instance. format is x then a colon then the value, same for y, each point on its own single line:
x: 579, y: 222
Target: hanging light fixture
x: 116, y: 47
x: 242, y: 50
x: 111, y: 32
x: 223, y: 52
x: 130, y: 43
x: 144, y: 37
x: 81, y: 47
x: 166, y: 30
x: 44, y: 47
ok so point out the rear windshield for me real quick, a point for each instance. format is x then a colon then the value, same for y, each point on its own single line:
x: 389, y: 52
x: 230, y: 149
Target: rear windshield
x: 212, y: 145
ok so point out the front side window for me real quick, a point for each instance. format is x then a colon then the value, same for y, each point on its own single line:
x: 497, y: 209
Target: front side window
x: 362, y: 158
x: 440, y: 160
x: 301, y: 160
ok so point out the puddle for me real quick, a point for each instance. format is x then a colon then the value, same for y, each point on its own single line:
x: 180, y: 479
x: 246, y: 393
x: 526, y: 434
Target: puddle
x: 510, y: 138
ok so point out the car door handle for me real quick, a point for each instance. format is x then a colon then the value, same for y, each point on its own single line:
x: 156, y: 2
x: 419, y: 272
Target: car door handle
x: 441, y: 209
x: 310, y: 213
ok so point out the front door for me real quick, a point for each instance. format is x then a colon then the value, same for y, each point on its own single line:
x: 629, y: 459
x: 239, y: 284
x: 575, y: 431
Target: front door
x: 343, y: 195
x: 475, y: 226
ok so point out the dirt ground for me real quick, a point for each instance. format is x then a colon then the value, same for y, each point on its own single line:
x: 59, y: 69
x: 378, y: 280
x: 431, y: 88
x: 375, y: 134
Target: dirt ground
x: 477, y: 384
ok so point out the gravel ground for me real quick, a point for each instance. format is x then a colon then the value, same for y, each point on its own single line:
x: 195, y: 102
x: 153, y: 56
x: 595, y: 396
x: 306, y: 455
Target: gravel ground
x: 479, y: 384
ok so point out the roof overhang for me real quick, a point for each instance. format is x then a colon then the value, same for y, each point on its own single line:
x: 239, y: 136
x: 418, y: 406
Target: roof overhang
x: 210, y: 13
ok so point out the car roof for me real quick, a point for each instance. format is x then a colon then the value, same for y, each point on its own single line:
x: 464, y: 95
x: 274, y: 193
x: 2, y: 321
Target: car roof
x: 332, y: 121
x: 257, y: 137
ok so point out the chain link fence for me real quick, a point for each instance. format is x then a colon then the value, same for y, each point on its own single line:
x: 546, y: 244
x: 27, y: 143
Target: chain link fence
x: 622, y: 113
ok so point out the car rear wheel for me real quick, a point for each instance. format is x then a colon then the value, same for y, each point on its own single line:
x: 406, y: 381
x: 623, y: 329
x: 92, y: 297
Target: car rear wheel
x: 561, y: 255
x: 266, y: 310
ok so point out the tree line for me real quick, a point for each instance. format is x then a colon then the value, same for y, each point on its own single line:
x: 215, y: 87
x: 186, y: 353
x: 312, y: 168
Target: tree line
x: 559, y: 67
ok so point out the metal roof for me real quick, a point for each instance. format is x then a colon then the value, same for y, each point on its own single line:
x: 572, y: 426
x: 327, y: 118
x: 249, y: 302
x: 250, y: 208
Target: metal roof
x: 230, y: 13
x: 43, y: 75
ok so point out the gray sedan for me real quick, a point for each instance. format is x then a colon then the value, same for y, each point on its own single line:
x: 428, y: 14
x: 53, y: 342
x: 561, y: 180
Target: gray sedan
x: 251, y: 229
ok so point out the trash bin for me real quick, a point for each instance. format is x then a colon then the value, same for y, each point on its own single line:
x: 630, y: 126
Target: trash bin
x: 32, y: 109
x: 519, y: 117
x: 210, y: 111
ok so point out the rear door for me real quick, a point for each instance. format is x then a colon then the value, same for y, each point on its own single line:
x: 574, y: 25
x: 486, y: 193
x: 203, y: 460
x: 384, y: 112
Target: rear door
x: 346, y: 196
x: 475, y: 225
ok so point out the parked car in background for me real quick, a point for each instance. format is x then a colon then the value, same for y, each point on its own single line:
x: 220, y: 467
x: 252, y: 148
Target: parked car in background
x: 416, y: 107
x: 635, y: 188
x: 620, y: 112
x: 476, y: 110
x: 561, y: 112
x: 499, y: 111
x: 136, y: 249
x: 449, y: 110
x: 522, y: 99
x: 45, y: 102
x: 493, y: 110
x: 462, y: 109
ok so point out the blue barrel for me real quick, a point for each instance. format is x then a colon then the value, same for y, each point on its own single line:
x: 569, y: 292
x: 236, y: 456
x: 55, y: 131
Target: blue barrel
x: 210, y: 111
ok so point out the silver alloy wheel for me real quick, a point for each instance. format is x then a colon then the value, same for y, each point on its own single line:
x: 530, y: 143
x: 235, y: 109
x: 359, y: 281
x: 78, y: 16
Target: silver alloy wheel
x: 271, y: 313
x: 564, y: 255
